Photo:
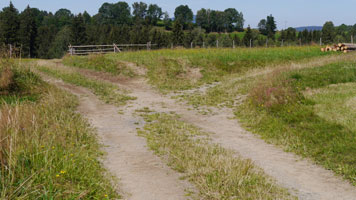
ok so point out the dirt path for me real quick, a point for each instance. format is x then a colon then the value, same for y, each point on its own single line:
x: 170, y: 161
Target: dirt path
x: 304, y: 179
x: 142, y: 175
x: 301, y: 177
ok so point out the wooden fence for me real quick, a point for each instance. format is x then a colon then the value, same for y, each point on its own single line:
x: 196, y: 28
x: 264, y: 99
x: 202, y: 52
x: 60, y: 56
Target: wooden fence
x: 102, y: 49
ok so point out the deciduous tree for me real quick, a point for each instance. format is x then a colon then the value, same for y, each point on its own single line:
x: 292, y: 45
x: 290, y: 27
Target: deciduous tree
x: 154, y: 13
x: 183, y: 14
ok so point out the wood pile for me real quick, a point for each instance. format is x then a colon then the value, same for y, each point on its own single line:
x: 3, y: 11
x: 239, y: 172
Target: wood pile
x: 343, y: 47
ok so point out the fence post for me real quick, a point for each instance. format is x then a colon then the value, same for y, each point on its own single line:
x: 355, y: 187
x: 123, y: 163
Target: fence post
x: 114, y: 47
x: 250, y: 43
x: 10, y: 50
x: 233, y: 44
x: 282, y: 43
x: 20, y: 53
x: 148, y: 45
x: 300, y: 42
x: 217, y: 43
x: 266, y: 42
x: 203, y: 44
x: 191, y: 45
x: 321, y: 43
x: 70, y: 50
x: 171, y: 45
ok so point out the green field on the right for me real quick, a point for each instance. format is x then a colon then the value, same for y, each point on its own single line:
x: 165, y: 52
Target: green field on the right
x: 308, y: 111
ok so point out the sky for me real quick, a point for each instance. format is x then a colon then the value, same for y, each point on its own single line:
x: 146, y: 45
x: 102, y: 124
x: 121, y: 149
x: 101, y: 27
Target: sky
x: 287, y: 13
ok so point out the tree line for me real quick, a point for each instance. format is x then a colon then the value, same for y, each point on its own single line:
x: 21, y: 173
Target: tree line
x: 45, y: 34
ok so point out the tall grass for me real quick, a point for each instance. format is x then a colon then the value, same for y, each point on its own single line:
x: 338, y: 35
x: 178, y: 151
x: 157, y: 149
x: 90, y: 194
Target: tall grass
x: 215, y: 172
x: 282, y: 114
x: 47, y: 150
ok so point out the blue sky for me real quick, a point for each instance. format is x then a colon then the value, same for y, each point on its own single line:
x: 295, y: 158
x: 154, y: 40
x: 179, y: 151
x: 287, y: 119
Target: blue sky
x: 286, y: 12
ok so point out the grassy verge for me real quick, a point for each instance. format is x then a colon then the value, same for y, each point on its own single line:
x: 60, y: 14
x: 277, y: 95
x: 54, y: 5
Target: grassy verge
x: 279, y: 109
x: 105, y: 91
x: 188, y: 68
x: 216, y: 172
x: 47, y: 150
x: 99, y: 63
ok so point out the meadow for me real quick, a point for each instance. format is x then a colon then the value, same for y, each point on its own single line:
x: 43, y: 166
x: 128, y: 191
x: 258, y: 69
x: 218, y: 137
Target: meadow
x: 182, y: 69
x: 308, y: 112
x: 296, y: 97
x: 47, y: 150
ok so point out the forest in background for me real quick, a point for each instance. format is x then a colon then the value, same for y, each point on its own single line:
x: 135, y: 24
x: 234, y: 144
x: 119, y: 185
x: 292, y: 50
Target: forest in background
x: 42, y: 34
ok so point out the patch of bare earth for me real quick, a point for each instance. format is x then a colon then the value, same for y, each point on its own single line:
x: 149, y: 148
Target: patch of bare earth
x: 303, y: 178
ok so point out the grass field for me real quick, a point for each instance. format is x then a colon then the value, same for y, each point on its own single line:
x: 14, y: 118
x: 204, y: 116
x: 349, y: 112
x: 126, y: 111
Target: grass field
x: 308, y: 111
x: 187, y: 68
x: 217, y: 173
x: 307, y: 108
x: 47, y: 150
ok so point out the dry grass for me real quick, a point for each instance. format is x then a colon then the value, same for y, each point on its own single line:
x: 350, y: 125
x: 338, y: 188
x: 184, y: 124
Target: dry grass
x: 217, y: 173
x: 6, y: 78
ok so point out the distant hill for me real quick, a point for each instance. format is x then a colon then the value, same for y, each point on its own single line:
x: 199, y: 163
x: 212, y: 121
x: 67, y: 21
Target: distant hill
x: 309, y: 28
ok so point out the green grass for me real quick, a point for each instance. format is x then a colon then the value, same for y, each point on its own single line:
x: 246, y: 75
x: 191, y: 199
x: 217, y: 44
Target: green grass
x: 182, y: 69
x: 105, y: 91
x: 47, y: 150
x: 215, y: 172
x: 99, y: 63
x: 17, y: 84
x: 336, y: 103
x: 278, y: 110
